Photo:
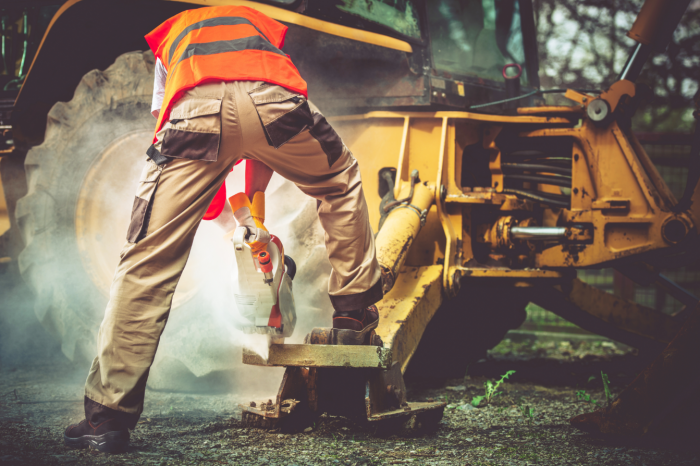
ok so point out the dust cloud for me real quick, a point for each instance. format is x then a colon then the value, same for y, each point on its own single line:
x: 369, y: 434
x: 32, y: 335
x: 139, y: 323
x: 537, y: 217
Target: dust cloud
x: 200, y: 350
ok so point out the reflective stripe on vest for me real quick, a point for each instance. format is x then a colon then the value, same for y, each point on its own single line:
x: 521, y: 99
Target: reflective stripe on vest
x: 211, y: 22
x: 223, y: 46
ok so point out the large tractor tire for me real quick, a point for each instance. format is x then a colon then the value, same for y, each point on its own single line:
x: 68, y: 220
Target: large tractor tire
x: 72, y: 216
x: 82, y: 180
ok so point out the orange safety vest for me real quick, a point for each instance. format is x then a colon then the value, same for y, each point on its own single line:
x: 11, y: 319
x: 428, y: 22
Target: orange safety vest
x: 221, y: 43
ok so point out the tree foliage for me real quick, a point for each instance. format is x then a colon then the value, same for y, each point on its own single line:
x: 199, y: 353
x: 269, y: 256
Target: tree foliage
x: 583, y: 44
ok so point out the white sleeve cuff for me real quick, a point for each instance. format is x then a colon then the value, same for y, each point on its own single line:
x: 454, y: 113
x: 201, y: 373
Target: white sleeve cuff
x: 158, y: 86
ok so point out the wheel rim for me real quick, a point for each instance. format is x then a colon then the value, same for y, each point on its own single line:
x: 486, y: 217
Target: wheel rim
x: 103, y: 212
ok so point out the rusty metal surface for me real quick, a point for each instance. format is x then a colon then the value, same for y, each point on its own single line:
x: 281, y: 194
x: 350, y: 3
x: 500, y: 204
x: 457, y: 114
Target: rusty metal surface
x: 322, y: 356
x: 385, y: 390
x: 413, y: 408
x: 291, y: 393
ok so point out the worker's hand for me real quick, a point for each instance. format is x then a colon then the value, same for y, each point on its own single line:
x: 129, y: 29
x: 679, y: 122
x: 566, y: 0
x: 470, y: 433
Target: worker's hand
x: 155, y: 113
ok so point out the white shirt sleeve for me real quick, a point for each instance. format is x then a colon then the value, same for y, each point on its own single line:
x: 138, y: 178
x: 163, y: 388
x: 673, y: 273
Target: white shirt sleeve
x: 158, y: 87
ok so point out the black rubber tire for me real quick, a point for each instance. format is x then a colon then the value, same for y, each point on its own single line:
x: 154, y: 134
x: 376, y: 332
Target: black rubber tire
x: 106, y: 105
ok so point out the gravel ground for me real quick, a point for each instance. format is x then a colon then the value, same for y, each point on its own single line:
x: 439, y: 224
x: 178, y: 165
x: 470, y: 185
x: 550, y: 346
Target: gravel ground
x: 38, y: 401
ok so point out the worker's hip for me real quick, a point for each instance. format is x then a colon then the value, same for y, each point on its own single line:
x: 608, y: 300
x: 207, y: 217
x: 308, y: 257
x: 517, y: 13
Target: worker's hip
x: 201, y: 120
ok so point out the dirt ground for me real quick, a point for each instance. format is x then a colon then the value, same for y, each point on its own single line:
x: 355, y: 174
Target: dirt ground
x: 41, y: 393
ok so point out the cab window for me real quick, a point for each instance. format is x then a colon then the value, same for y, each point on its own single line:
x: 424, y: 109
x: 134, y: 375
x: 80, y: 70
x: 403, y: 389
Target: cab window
x: 399, y: 15
x: 476, y: 37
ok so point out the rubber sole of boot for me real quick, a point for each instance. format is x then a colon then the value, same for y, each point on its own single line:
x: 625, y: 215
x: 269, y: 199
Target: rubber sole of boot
x: 353, y: 337
x: 111, y: 442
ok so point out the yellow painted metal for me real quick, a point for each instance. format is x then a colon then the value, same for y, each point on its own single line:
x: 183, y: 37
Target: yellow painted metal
x: 466, y: 116
x: 623, y: 314
x: 648, y: 21
x: 550, y: 109
x: 400, y: 228
x: 321, y: 356
x: 614, y: 93
x: 406, y: 310
x: 450, y: 230
x: 508, y: 273
x: 615, y: 192
x: 617, y: 197
x: 615, y: 187
x: 287, y: 16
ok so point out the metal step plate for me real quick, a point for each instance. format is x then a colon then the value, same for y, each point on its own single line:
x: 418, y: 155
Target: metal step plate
x: 322, y: 356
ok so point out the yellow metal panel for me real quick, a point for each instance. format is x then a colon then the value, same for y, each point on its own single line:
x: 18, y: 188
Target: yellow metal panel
x: 664, y: 191
x: 423, y: 149
x: 407, y: 308
x: 287, y: 16
x: 504, y: 272
x: 429, y: 245
x: 321, y: 356
x: 582, y: 179
x: 375, y: 143
x: 400, y: 228
x: 482, y: 117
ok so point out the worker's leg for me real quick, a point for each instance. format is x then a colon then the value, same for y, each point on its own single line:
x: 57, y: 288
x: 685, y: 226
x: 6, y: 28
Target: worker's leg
x: 312, y: 155
x: 170, y: 203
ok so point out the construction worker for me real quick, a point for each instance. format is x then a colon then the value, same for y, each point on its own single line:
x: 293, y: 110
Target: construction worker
x: 230, y: 93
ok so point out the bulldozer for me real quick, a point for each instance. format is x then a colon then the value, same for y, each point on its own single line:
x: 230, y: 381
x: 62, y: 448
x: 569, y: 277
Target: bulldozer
x: 483, y: 199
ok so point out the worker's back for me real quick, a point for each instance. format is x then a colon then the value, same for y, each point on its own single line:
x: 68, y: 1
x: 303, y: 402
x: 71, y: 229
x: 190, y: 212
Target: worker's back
x: 224, y: 43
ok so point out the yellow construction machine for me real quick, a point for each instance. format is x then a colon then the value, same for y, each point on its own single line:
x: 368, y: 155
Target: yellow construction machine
x: 480, y: 204
x: 510, y: 204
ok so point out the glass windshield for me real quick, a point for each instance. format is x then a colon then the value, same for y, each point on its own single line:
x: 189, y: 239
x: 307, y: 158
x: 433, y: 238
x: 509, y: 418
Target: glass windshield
x: 476, y: 37
x: 399, y: 15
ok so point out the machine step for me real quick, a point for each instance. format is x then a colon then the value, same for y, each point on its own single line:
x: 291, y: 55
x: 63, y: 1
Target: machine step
x: 321, y: 356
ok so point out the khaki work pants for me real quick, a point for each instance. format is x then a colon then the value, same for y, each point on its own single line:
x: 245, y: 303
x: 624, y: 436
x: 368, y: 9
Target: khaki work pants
x: 211, y: 127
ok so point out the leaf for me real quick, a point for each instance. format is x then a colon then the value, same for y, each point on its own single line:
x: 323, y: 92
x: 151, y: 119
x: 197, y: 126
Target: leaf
x: 590, y: 379
x: 477, y: 400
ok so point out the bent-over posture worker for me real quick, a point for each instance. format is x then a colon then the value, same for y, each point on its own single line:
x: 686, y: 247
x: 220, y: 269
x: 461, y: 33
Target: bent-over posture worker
x: 230, y: 93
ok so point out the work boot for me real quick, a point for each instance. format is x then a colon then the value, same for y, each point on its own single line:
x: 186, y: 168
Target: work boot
x: 354, y: 327
x: 108, y: 437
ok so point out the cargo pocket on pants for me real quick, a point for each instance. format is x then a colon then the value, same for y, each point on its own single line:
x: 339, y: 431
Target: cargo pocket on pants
x: 143, y: 202
x: 194, y: 130
x: 283, y: 113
